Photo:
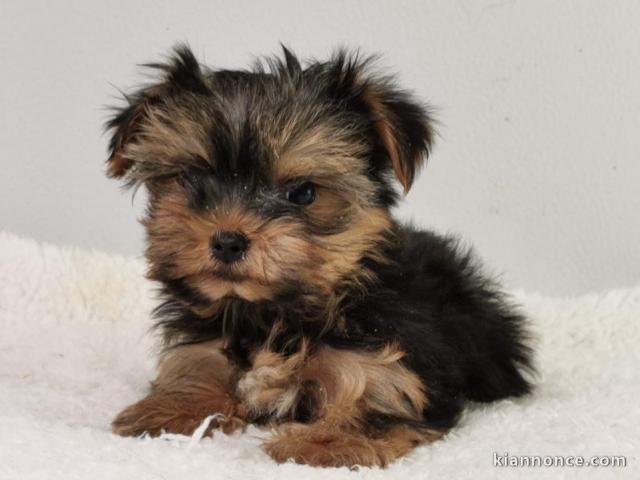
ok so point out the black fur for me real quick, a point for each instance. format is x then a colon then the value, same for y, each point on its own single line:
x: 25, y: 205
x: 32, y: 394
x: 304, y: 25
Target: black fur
x: 461, y: 334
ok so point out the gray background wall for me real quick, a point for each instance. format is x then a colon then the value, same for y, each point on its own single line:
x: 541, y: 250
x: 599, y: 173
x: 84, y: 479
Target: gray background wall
x: 537, y: 163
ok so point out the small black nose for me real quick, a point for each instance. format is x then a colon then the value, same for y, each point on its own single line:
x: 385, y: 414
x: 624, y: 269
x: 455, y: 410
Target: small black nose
x: 229, y: 247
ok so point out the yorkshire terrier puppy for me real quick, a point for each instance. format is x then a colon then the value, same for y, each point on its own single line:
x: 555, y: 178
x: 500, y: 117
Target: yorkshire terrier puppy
x: 291, y: 297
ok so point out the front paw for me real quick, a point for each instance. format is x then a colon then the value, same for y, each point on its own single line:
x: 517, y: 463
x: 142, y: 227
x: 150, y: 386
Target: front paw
x: 320, y: 447
x: 179, y: 412
x: 323, y: 445
x: 151, y: 418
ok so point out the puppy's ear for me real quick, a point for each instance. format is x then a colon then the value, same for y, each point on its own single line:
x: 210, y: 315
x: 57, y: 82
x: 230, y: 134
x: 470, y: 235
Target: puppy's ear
x: 181, y: 73
x: 402, y: 125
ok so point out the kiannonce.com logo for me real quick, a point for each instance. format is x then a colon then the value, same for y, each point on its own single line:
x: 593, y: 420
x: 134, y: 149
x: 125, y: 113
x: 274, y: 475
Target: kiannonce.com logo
x: 523, y: 461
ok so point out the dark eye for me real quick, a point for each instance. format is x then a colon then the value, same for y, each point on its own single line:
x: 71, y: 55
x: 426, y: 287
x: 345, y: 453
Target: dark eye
x: 303, y: 194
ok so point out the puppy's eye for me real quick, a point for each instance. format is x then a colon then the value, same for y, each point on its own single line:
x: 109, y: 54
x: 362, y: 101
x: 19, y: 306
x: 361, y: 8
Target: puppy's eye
x: 303, y: 194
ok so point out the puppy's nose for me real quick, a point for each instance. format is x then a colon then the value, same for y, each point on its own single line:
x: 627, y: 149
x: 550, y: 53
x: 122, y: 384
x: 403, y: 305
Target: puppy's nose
x: 229, y: 247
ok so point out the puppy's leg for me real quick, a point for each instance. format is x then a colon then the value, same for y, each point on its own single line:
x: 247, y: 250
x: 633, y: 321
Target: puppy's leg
x: 322, y: 445
x: 351, y: 388
x: 194, y: 382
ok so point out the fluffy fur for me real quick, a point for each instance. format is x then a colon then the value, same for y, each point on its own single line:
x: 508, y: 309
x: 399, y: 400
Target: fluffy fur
x: 354, y: 336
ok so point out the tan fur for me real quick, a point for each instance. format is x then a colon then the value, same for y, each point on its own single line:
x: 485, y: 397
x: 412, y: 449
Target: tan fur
x: 118, y: 165
x: 384, y: 126
x: 197, y: 381
x: 326, y: 152
x: 350, y: 381
x: 168, y: 142
x: 343, y: 251
x: 272, y: 385
x: 358, y: 381
x: 175, y: 230
x: 280, y: 250
x: 323, y: 445
x: 119, y: 162
x: 193, y: 382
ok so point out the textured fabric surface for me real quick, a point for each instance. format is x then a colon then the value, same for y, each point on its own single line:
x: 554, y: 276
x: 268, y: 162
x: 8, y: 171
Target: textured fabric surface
x: 75, y: 347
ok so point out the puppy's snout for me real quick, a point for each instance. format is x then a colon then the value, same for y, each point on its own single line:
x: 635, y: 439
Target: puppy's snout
x: 229, y: 247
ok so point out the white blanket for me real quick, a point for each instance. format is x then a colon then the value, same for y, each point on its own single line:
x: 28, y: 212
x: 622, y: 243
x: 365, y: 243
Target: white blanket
x: 75, y: 348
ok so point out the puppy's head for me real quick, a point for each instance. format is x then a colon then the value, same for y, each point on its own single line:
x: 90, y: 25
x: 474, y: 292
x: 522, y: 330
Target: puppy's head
x: 267, y: 182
